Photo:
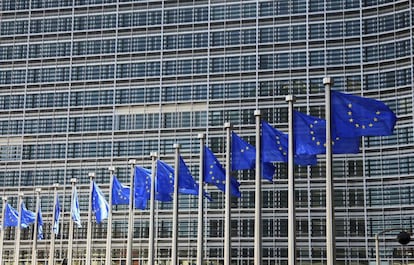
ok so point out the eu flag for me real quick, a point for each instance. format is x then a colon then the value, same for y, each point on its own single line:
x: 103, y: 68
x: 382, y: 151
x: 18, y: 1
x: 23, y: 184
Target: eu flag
x: 99, y: 205
x: 165, y: 182
x: 120, y: 193
x: 243, y: 154
x: 57, y: 216
x: 27, y: 218
x: 75, y: 210
x: 359, y: 116
x: 39, y: 224
x: 310, y: 137
x: 215, y: 174
x: 11, y: 216
x: 186, y: 182
x: 275, y: 147
x: 243, y: 157
x: 142, y: 187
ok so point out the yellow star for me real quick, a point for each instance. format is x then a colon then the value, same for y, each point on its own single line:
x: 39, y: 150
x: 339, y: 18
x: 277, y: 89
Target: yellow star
x: 350, y: 105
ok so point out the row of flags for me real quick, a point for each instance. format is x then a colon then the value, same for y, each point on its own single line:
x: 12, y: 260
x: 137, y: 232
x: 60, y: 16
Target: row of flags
x: 352, y: 117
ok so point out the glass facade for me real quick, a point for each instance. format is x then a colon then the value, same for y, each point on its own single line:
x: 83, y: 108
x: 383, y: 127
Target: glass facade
x: 86, y: 84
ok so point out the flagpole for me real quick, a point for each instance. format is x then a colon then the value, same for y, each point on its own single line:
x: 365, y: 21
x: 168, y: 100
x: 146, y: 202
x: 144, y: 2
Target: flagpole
x: 200, y: 231
x: 89, y: 231
x: 108, y: 259
x: 70, y: 242
x: 18, y: 228
x: 174, y: 250
x: 152, y: 210
x: 53, y: 235
x: 330, y: 214
x: 258, y: 196
x: 227, y: 212
x: 34, y: 246
x: 291, y: 186
x: 2, y: 228
x: 132, y: 163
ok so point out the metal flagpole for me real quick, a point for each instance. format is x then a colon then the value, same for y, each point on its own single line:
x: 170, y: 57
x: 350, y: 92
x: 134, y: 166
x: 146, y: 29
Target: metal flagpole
x: 174, y: 249
x: 53, y: 235
x: 258, y: 196
x: 2, y: 229
x: 200, y: 231
x: 70, y: 242
x: 330, y: 215
x: 18, y: 228
x: 227, y: 212
x: 152, y: 210
x: 132, y: 163
x: 34, y: 246
x: 291, y: 186
x: 89, y: 231
x: 108, y: 257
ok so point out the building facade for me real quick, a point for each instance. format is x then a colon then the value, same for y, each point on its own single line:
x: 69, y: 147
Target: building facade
x: 87, y: 84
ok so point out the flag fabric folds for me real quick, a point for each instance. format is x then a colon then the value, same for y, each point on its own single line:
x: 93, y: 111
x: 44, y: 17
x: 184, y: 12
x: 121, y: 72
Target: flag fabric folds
x: 214, y: 173
x: 27, y: 218
x: 75, y: 210
x: 39, y: 224
x: 359, y: 116
x: 142, y: 187
x: 57, y: 216
x: 275, y: 147
x: 120, y: 193
x: 310, y: 137
x: 11, y: 216
x: 243, y: 157
x: 100, y: 206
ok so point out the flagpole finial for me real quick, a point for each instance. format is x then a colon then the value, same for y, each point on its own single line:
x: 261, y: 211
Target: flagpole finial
x: 153, y: 154
x: 111, y: 169
x: 55, y: 185
x: 201, y: 136
x: 91, y: 175
x: 227, y: 125
x: 177, y: 146
x: 132, y: 161
x: 328, y: 81
x: 73, y: 180
x: 257, y: 112
x: 289, y: 98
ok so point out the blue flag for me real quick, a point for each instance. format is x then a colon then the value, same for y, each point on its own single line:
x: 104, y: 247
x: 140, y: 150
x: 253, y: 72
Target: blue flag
x: 186, y: 182
x: 164, y: 182
x: 310, y: 137
x: 358, y: 116
x: 214, y: 173
x: 142, y: 187
x: 243, y: 157
x: 99, y: 205
x: 120, y: 193
x: 275, y: 147
x: 11, y: 216
x: 75, y: 210
x: 39, y: 224
x: 27, y: 218
x: 243, y: 154
x: 57, y: 216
